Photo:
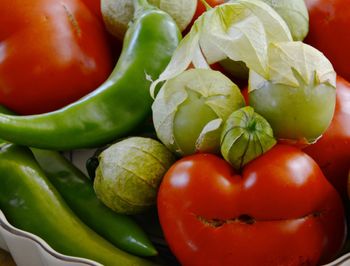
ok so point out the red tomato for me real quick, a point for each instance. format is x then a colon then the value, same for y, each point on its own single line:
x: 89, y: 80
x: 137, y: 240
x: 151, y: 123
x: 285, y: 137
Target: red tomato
x: 245, y: 95
x: 279, y: 211
x: 349, y: 186
x: 201, y: 8
x: 330, y: 31
x: 95, y: 7
x: 332, y: 151
x: 51, y: 54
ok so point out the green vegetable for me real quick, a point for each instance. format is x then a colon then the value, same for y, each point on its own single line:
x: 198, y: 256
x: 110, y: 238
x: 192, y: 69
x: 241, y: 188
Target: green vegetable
x: 118, y: 14
x: 118, y: 105
x: 130, y: 172
x: 77, y: 191
x: 295, y: 14
x: 4, y: 110
x: 31, y: 203
x: 189, y: 110
x: 240, y: 31
x: 145, y: 130
x: 298, y: 96
x: 182, y: 11
x: 246, y: 135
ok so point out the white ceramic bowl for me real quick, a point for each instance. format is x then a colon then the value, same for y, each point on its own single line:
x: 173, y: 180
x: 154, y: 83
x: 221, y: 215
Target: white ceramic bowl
x: 30, y: 250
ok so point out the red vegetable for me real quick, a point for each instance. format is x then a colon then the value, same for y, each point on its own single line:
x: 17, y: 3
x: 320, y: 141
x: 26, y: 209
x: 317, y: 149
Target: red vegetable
x: 51, y: 53
x: 330, y: 31
x: 95, y: 7
x: 332, y: 151
x: 279, y: 211
x: 245, y: 95
x: 201, y: 8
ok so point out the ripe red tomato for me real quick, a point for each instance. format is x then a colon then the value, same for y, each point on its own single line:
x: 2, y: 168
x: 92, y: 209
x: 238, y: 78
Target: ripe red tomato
x: 279, y: 211
x: 51, y: 54
x: 330, y: 31
x: 95, y: 7
x: 349, y: 186
x: 245, y: 94
x: 201, y: 8
x: 332, y: 151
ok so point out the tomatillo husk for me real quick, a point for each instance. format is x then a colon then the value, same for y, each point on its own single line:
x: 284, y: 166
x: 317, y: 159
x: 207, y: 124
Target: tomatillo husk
x: 130, y: 172
x: 245, y: 136
x: 190, y: 109
x: 295, y: 14
x: 117, y: 14
x: 298, y: 95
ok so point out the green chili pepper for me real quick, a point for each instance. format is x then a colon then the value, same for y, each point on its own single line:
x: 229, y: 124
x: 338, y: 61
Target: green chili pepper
x: 4, y: 110
x: 77, y: 191
x: 117, y: 106
x: 31, y: 203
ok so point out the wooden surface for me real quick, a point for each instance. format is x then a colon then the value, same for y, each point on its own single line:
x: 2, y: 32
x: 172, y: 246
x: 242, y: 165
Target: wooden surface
x: 6, y: 259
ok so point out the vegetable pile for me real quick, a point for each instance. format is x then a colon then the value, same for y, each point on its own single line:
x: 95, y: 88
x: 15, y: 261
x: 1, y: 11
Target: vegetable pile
x: 222, y: 138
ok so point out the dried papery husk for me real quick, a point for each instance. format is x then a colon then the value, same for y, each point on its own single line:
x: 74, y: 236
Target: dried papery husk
x: 189, y: 110
x: 117, y: 14
x: 130, y: 172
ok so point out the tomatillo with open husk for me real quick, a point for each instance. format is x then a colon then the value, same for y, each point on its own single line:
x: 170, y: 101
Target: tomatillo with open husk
x: 190, y: 109
x: 297, y: 96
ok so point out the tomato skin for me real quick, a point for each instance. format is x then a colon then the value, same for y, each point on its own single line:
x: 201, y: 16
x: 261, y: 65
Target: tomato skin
x: 52, y: 53
x: 95, y: 7
x: 330, y: 31
x: 245, y: 95
x: 332, y: 150
x: 298, y: 216
x: 201, y: 8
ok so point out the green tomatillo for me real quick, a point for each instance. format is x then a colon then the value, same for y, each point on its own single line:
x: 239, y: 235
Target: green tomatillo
x: 117, y: 15
x: 245, y: 136
x: 129, y: 174
x: 297, y: 97
x: 240, y: 31
x: 190, y: 109
x: 294, y: 13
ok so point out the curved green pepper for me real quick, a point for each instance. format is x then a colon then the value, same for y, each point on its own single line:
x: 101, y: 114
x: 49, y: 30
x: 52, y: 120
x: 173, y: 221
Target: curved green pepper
x: 118, y: 105
x: 4, y: 110
x: 31, y: 203
x: 77, y: 191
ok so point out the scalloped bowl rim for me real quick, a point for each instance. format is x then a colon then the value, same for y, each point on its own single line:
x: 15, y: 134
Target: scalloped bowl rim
x: 4, y: 224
